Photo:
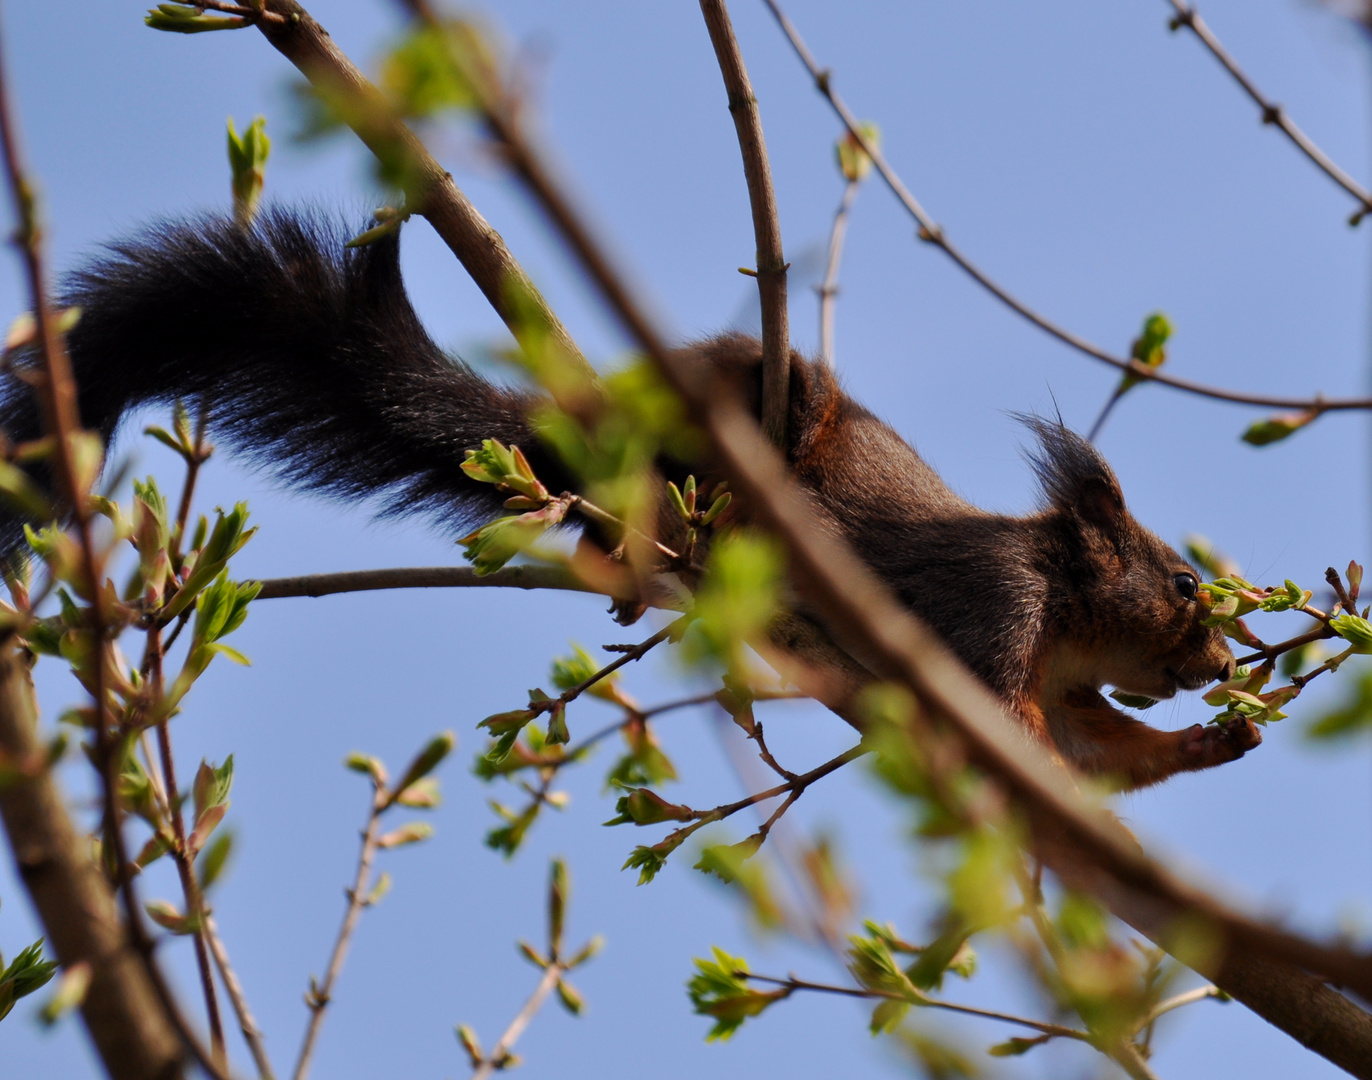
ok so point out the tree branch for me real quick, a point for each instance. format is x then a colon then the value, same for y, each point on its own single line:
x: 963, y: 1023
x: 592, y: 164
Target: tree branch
x: 869, y: 624
x: 469, y: 236
x: 1272, y: 113
x: 529, y: 576
x: 828, y: 291
x: 933, y: 233
x: 320, y: 993
x: 252, y: 1034
x: 500, y: 1053
x: 771, y: 263
x: 121, y: 1009
x: 1058, y: 1031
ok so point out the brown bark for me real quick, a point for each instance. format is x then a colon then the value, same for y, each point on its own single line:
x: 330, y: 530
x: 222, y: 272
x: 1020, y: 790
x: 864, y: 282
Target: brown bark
x: 771, y: 262
x: 478, y: 246
x: 122, y: 1012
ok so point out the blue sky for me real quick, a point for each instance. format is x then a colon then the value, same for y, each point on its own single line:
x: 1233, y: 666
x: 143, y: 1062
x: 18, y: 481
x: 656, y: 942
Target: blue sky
x: 1099, y: 166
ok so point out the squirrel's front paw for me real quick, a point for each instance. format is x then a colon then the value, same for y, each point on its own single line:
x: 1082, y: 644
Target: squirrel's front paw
x: 1214, y: 744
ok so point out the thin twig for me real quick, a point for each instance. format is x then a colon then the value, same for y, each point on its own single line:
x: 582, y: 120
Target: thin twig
x: 249, y: 15
x: 194, y: 461
x: 500, y: 1053
x: 58, y: 400
x: 319, y: 994
x: 252, y: 1034
x: 771, y: 262
x: 181, y: 855
x: 1200, y: 993
x: 1272, y: 113
x: 794, y: 788
x: 793, y: 983
x: 425, y: 577
x: 934, y: 234
x: 828, y: 291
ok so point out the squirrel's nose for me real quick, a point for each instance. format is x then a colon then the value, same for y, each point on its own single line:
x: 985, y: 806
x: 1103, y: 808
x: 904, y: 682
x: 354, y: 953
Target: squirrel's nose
x: 1226, y: 671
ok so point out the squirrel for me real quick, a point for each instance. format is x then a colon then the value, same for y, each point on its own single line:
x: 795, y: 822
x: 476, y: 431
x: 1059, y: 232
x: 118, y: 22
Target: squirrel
x: 310, y: 359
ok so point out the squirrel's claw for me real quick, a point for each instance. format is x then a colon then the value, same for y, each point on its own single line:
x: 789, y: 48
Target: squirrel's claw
x: 1214, y: 744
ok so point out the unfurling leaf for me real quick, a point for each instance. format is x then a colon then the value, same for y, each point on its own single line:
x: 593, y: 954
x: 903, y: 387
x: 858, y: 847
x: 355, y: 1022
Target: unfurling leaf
x: 644, y: 807
x: 411, y: 833
x: 69, y: 994
x: 1015, y: 1046
x: 428, y: 759
x: 1276, y: 428
x: 719, y: 989
x: 853, y: 161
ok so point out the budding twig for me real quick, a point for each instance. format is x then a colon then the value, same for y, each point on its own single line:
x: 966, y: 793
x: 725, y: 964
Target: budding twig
x: 1272, y: 113
x: 933, y: 233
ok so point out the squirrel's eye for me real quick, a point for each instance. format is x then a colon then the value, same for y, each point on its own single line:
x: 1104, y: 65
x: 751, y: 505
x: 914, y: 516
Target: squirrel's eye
x: 1186, y: 585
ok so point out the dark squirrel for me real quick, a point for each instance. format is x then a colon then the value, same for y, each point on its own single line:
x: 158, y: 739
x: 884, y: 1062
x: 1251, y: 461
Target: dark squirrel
x: 311, y: 360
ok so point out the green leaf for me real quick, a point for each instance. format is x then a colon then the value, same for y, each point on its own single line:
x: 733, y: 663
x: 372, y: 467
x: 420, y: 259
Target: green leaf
x: 26, y: 973
x: 69, y: 994
x: 887, y: 1015
x: 1015, y: 1046
x: 1353, y: 716
x: 170, y: 918
x: 507, y: 838
x: 644, y: 807
x: 367, y: 765
x: 428, y: 759
x: 950, y: 951
x: 1133, y: 701
x: 725, y: 861
x: 719, y: 990
x: 1355, y: 630
x: 213, y: 859
x: 852, y: 159
x: 248, y: 163
x: 1278, y: 427
x: 411, y: 833
x: 559, y: 887
x: 570, y: 998
x: 183, y: 19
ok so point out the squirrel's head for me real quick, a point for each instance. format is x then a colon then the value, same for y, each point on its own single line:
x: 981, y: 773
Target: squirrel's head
x: 1130, y: 605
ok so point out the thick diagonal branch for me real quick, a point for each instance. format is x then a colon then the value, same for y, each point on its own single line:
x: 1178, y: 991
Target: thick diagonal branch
x: 121, y: 1010
x: 469, y: 236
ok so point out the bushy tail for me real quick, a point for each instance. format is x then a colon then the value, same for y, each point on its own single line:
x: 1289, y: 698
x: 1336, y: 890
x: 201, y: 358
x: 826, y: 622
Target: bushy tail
x: 307, y: 355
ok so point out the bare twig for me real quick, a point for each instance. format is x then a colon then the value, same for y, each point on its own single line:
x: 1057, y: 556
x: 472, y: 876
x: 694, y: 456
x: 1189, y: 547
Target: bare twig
x: 1200, y: 993
x: 792, y: 788
x: 828, y: 291
x: 318, y: 996
x: 252, y: 1034
x: 425, y: 577
x: 500, y: 1053
x: 190, y: 888
x: 771, y: 262
x: 792, y: 983
x: 934, y: 234
x: 1272, y: 113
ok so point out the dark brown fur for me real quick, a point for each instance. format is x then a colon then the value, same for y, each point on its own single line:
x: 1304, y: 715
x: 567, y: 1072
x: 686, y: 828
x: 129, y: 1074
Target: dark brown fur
x: 1046, y: 609
x: 312, y: 360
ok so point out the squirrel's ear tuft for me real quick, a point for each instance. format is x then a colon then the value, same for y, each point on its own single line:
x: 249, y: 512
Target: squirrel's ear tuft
x: 1075, y: 478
